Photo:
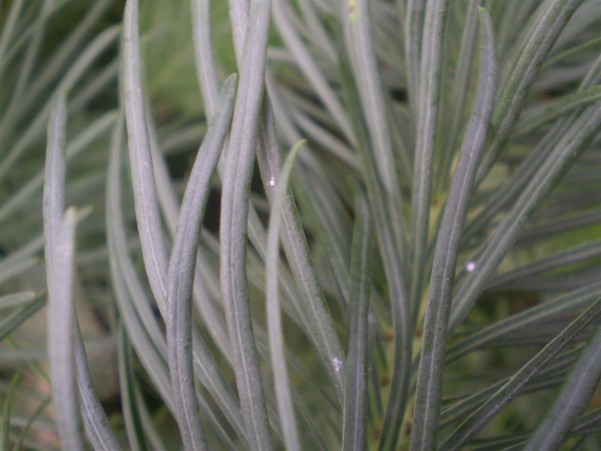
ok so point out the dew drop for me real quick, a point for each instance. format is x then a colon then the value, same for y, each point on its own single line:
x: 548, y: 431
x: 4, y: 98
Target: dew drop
x: 337, y: 364
x: 271, y: 181
x: 470, y: 266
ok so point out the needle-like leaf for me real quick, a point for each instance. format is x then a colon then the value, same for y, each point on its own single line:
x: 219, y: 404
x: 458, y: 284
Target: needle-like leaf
x: 274, y: 321
x: 429, y: 378
x: 181, y: 273
x: 233, y: 226
x: 354, y: 430
x: 147, y: 210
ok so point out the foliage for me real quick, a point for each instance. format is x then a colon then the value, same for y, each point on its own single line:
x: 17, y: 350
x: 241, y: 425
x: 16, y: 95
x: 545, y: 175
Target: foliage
x: 437, y: 285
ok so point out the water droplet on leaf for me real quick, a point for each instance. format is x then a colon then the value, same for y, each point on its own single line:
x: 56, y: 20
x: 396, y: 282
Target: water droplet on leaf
x: 337, y: 364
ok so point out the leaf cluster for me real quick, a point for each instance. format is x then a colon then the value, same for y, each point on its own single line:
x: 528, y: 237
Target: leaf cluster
x: 380, y: 232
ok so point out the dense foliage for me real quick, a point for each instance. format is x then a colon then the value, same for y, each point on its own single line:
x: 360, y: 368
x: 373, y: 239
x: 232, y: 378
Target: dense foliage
x: 312, y: 224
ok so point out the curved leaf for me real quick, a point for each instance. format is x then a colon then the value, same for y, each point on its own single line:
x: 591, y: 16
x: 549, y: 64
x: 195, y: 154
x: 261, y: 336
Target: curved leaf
x: 429, y: 378
x: 274, y: 322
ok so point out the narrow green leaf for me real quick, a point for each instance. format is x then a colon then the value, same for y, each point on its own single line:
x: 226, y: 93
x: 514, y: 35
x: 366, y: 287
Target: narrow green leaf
x: 316, y: 30
x: 9, y: 268
x: 94, y: 87
x: 561, y: 157
x: 69, y: 47
x: 312, y: 427
x: 474, y: 423
x: 510, y: 442
x: 505, y: 196
x: 354, y: 429
x: 239, y: 15
x: 527, y: 320
x: 574, y: 397
x: 94, y: 418
x: 6, y: 413
x: 148, y: 215
x: 557, y: 108
x: 565, y: 55
x: 322, y: 136
x: 37, y: 412
x: 593, y: 75
x: 59, y: 253
x: 588, y: 422
x: 299, y: 317
x: 358, y: 37
x: 141, y: 325
x: 28, y: 32
x: 320, y: 201
x: 60, y: 267
x: 314, y: 311
x: 584, y: 18
x: 554, y: 261
x: 132, y: 303
x: 459, y: 92
x: 168, y: 201
x: 137, y: 314
x: 54, y: 178
x: 329, y: 221
x: 274, y: 321
x: 429, y: 379
x: 17, y: 299
x: 9, y: 26
x: 553, y: 17
x: 510, y: 20
x: 205, y: 366
x: 384, y: 208
x: 153, y: 436
x: 309, y: 67
x: 516, y: 184
x: 13, y: 320
x: 233, y: 226
x: 414, y: 23
x: 461, y: 409
x: 561, y: 225
x: 428, y: 107
x: 206, y: 71
x: 29, y: 59
x: 73, y: 75
x: 181, y: 273
x: 19, y: 199
x: 127, y: 381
